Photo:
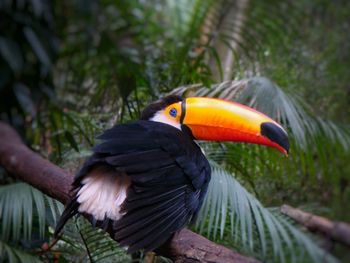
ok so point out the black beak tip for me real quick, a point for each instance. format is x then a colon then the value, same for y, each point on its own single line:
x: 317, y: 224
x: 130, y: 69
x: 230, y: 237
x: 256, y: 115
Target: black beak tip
x: 276, y: 134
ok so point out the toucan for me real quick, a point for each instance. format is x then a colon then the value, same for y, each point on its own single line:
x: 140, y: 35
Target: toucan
x: 147, y: 179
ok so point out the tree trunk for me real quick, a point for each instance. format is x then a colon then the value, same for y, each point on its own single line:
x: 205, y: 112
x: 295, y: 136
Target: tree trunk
x: 229, y: 30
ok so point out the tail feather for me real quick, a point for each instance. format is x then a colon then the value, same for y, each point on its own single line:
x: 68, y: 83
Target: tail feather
x: 70, y: 210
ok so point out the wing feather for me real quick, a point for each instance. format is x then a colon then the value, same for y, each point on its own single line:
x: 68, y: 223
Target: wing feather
x: 168, y: 174
x: 155, y: 219
x: 160, y: 237
x: 142, y: 234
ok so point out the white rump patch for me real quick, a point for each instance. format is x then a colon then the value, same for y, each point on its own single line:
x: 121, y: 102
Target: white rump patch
x: 160, y: 117
x: 102, y: 193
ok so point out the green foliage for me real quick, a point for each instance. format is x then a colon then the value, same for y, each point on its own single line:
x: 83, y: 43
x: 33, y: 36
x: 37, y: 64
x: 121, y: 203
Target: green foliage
x: 25, y: 212
x: 28, y: 50
x: 305, y: 52
x: 288, y: 109
x: 13, y: 255
x: 115, y: 57
x: 19, y: 205
x: 230, y: 210
x: 82, y: 242
x: 310, y: 135
x: 101, y: 248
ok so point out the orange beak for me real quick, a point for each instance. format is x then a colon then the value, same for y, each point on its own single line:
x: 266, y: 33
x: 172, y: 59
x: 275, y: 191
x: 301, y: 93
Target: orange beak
x: 219, y: 120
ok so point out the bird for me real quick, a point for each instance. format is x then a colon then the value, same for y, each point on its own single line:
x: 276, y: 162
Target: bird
x: 147, y: 179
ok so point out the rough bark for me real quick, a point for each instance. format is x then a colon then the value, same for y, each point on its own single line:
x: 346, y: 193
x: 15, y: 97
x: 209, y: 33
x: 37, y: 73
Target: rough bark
x: 30, y: 167
x: 187, y: 246
x: 24, y: 164
x: 337, y: 231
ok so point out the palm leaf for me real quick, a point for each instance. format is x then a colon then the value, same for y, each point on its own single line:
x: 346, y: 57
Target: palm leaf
x: 13, y: 255
x: 99, y: 246
x: 286, y: 108
x: 254, y: 228
x: 20, y: 203
x: 312, y: 138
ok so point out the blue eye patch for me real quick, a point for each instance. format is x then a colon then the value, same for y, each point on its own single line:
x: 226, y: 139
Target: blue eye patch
x: 173, y: 112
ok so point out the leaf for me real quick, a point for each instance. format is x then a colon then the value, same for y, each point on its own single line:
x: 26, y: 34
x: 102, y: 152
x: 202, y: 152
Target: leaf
x: 218, y: 63
x: 261, y: 232
x: 12, y: 54
x: 265, y: 96
x: 71, y: 140
x: 38, y: 47
x: 23, y: 96
x: 10, y: 254
x: 38, y: 7
x: 19, y: 204
x: 99, y: 245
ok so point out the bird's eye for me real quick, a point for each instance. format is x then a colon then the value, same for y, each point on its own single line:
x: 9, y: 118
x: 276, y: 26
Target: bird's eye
x: 173, y: 112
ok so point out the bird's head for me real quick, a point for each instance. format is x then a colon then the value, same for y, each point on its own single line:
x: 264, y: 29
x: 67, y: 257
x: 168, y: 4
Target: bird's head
x: 218, y: 120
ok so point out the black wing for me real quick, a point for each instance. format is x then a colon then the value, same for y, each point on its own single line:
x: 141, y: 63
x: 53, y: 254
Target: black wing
x: 169, y: 177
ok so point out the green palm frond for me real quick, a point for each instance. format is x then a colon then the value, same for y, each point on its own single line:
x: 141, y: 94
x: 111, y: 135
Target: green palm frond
x: 10, y: 254
x: 99, y: 246
x: 20, y: 203
x: 289, y: 109
x: 81, y: 242
x: 230, y: 208
x: 312, y: 138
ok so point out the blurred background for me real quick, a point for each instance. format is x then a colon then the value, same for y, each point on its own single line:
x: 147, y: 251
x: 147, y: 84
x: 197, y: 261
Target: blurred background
x: 69, y: 69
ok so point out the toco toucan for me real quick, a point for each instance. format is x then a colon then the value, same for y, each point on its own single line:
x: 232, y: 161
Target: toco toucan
x: 147, y: 179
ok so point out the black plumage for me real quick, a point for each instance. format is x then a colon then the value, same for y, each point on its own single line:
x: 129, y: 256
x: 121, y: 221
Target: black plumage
x: 169, y: 178
x: 151, y: 109
x: 147, y: 179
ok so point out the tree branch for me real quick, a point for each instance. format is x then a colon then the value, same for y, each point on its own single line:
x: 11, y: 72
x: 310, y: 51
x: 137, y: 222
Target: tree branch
x: 338, y: 231
x: 24, y: 164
